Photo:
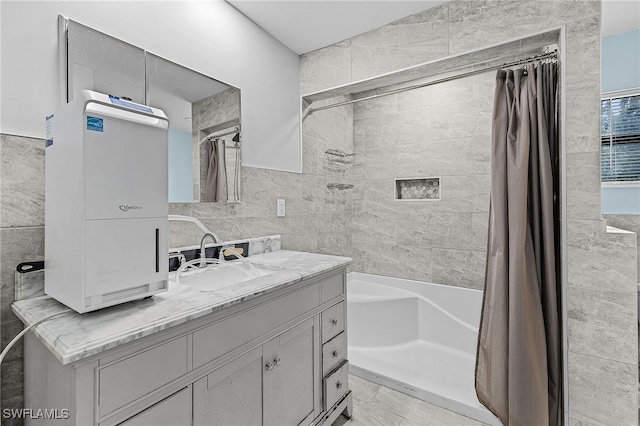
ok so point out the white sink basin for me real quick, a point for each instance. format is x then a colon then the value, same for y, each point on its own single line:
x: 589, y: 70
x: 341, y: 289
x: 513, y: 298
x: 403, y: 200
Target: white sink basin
x: 212, y: 278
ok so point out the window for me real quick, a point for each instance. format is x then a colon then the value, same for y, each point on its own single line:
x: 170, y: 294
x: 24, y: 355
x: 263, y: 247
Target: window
x: 620, y: 138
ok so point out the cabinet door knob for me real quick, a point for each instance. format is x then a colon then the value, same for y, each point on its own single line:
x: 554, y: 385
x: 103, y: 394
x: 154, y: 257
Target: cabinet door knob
x: 334, y: 354
x: 276, y: 361
x: 334, y: 321
x: 339, y: 385
x: 268, y: 366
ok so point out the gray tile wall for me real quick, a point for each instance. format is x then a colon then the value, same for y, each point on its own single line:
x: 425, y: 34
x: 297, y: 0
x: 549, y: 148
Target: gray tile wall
x: 630, y: 222
x: 315, y: 221
x: 21, y: 238
x: 437, y: 131
x: 601, y: 266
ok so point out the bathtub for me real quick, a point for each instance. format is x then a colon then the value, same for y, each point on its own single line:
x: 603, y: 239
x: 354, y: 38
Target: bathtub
x: 418, y: 338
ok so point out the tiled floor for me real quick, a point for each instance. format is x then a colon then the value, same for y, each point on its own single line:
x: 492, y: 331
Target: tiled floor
x: 377, y: 405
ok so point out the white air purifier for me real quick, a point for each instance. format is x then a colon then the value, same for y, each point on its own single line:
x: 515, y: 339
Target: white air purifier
x: 106, y: 202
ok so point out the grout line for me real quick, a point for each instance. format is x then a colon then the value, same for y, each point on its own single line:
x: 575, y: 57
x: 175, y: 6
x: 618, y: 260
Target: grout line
x: 603, y: 359
x: 600, y: 289
x: 5, y: 228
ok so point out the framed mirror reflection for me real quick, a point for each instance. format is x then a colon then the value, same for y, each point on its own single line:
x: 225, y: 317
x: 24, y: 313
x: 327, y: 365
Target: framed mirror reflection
x: 205, y: 163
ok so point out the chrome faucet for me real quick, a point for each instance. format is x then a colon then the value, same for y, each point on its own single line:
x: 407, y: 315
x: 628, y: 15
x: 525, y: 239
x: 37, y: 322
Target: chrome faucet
x: 203, y: 253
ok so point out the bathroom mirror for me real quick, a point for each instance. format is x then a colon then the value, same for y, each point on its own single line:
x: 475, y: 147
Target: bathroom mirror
x: 204, y: 113
x: 204, y: 131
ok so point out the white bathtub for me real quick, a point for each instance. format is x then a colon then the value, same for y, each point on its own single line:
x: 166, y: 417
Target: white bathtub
x: 418, y: 338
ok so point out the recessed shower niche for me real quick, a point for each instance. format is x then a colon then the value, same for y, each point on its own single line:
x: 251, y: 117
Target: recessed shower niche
x: 417, y: 189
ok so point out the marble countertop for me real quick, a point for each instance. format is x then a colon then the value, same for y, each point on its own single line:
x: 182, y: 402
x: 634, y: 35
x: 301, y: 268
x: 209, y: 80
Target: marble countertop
x: 72, y: 336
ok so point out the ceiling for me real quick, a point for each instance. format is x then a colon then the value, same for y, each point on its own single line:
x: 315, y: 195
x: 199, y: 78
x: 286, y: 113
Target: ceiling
x: 307, y: 25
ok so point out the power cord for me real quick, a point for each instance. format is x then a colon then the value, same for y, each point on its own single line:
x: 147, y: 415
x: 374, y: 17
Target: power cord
x: 23, y: 332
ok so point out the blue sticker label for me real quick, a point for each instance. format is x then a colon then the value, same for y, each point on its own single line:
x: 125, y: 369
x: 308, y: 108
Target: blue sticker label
x: 95, y: 124
x: 128, y: 104
x: 49, y: 130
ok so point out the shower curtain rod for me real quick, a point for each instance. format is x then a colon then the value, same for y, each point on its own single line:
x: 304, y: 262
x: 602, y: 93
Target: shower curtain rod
x: 524, y: 61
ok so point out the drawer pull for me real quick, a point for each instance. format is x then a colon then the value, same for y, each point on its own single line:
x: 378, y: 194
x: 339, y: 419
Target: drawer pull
x: 334, y: 354
x: 271, y: 365
x: 334, y: 321
x: 338, y: 385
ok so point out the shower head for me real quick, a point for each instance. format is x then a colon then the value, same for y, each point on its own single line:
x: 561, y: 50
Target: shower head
x: 236, y: 138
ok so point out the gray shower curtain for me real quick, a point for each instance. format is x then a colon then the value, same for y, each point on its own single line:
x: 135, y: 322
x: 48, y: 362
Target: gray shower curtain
x: 216, y: 184
x: 518, y: 373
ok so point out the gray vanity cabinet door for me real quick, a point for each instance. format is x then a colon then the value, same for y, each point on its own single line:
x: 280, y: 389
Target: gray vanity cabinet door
x: 231, y: 394
x: 172, y: 411
x: 289, y: 376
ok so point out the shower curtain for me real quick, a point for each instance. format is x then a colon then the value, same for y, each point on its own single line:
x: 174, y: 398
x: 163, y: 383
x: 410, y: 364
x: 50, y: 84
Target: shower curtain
x: 216, y: 184
x: 518, y: 365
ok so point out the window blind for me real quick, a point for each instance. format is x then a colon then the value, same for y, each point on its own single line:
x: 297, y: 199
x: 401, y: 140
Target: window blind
x: 620, y: 139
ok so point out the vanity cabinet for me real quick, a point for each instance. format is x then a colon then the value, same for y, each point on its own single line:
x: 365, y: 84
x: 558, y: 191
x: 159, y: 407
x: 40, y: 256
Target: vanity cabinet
x: 172, y: 411
x: 272, y: 384
x: 276, y: 359
x: 232, y: 394
x: 289, y: 382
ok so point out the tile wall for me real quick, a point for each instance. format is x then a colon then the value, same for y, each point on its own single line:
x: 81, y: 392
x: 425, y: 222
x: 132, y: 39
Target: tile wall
x: 601, y: 287
x: 442, y: 130
x: 21, y: 238
x: 630, y: 222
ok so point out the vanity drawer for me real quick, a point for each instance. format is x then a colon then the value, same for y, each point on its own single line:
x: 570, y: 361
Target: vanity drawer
x: 174, y: 410
x: 333, y: 353
x: 215, y: 340
x: 336, y: 385
x: 332, y: 287
x: 332, y: 321
x: 134, y: 377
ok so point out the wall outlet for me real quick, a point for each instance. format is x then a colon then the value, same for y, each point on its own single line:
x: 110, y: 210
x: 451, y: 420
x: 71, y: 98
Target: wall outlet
x: 280, y: 207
